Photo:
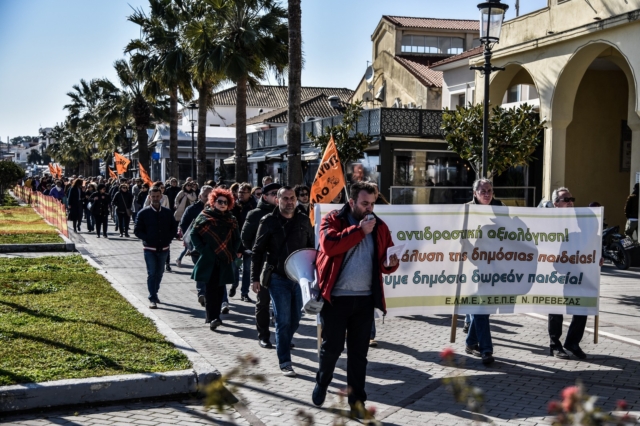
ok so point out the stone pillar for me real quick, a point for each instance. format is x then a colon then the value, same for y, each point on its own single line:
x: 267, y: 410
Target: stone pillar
x: 555, y: 145
x: 635, y: 152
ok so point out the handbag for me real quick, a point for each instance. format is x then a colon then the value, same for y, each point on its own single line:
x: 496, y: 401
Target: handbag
x: 265, y: 276
x: 90, y: 206
x: 129, y: 212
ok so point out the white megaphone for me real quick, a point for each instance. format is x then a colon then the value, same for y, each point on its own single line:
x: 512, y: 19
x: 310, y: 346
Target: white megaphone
x: 300, y: 267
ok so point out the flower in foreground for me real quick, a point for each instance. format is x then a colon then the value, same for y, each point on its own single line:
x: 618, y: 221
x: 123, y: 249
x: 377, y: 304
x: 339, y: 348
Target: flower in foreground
x: 447, y: 354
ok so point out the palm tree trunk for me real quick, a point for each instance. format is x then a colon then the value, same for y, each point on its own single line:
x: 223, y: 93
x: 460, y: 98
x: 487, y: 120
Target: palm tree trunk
x: 241, y: 131
x: 141, y: 116
x: 294, y: 137
x: 203, y: 101
x: 173, y: 133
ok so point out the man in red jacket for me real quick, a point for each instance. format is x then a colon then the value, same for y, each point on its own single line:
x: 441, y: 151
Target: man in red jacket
x: 351, y: 260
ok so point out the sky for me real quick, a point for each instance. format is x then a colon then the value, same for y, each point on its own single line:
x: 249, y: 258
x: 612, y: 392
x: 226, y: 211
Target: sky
x: 47, y: 46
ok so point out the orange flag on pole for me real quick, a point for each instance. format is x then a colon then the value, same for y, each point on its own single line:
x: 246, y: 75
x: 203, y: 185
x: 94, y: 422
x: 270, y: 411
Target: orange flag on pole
x: 329, y: 179
x: 121, y: 163
x: 112, y: 175
x: 52, y: 170
x: 145, y: 176
x: 58, y: 171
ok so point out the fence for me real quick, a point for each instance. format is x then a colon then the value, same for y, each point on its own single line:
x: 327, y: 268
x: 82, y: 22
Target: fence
x: 514, y: 196
x: 52, y: 210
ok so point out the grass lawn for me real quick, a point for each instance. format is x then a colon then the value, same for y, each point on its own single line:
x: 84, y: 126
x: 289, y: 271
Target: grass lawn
x: 22, y: 225
x: 60, y: 319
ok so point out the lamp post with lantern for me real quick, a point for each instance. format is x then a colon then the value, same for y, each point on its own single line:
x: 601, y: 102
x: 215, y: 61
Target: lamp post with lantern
x: 491, y: 17
x: 193, y: 110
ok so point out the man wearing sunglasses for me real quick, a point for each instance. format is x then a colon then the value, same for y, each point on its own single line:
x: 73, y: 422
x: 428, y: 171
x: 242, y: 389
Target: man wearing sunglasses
x: 562, y: 198
x: 266, y: 205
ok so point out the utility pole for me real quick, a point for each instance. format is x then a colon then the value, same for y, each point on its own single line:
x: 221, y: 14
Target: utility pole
x: 517, y: 8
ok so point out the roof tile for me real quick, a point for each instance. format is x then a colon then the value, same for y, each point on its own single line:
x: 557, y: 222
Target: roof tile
x: 275, y: 96
x: 434, y: 23
x: 476, y: 51
x: 419, y: 66
x: 318, y: 106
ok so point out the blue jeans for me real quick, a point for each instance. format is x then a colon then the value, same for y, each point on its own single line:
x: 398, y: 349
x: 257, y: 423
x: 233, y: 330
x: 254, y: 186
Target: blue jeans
x: 467, y: 319
x: 286, y: 296
x: 89, y: 217
x: 246, y: 275
x: 155, y: 269
x: 123, y: 222
x: 480, y: 333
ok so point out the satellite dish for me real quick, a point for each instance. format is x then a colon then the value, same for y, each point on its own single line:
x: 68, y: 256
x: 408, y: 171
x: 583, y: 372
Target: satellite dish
x: 367, y: 97
x: 368, y: 74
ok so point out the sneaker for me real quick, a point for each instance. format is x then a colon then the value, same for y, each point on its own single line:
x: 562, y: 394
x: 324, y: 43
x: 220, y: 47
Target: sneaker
x: 319, y: 395
x: 168, y: 268
x: 373, y: 343
x: 79, y: 228
x: 126, y: 234
x: 288, y: 371
x: 178, y: 262
x: 225, y: 308
x: 201, y: 300
x: 152, y: 305
x: 487, y: 358
x: 579, y: 353
x: 121, y: 235
x: 98, y: 235
x: 215, y: 324
x: 247, y: 299
x: 473, y: 350
x: 232, y: 291
x: 558, y: 353
x: 465, y: 328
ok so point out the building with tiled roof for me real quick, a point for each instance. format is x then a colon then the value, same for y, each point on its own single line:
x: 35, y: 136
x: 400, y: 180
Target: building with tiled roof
x: 403, y: 54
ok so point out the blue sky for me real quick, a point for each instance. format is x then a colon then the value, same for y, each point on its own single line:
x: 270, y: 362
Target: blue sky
x: 47, y: 46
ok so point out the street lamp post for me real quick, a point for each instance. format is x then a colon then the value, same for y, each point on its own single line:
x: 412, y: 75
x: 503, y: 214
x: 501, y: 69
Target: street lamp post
x: 491, y: 18
x: 193, y: 107
x: 129, y: 134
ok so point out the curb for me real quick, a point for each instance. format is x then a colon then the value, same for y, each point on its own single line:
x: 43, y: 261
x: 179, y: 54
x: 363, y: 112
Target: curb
x: 120, y: 388
x: 39, y: 247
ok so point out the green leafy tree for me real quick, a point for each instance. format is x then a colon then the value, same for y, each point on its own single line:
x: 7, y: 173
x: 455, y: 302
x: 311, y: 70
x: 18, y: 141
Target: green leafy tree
x: 34, y: 157
x: 20, y: 139
x: 349, y: 143
x: 514, y: 135
x: 10, y: 173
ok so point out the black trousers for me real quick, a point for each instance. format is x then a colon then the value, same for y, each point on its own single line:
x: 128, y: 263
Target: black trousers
x: 101, y: 221
x: 574, y: 335
x: 214, y: 293
x: 262, y: 314
x: 353, y: 316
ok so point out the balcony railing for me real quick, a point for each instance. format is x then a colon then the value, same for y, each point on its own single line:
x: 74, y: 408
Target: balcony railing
x: 420, y: 123
x: 514, y: 196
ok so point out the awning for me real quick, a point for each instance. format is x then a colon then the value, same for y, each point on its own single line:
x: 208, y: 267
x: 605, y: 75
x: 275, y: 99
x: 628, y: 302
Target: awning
x: 230, y: 160
x: 310, y: 154
x: 256, y: 157
x: 277, y: 153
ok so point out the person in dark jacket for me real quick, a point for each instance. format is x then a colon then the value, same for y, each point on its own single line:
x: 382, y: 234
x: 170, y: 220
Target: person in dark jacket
x: 172, y: 192
x: 477, y: 327
x: 241, y: 209
x: 302, y: 194
x: 216, y: 238
x: 281, y: 233
x: 631, y: 212
x: 122, y: 202
x: 100, y: 204
x: 156, y: 227
x: 248, y: 234
x: 351, y: 260
x: 142, y: 196
x: 75, y: 200
x: 90, y: 189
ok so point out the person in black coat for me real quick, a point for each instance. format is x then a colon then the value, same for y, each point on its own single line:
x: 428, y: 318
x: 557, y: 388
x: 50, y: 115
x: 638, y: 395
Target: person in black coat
x: 74, y: 201
x: 122, y: 202
x: 100, y: 205
x: 142, y: 195
x: 156, y: 227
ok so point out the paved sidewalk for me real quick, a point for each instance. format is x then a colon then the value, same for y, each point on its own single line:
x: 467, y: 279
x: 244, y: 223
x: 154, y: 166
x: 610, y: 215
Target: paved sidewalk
x: 404, y: 372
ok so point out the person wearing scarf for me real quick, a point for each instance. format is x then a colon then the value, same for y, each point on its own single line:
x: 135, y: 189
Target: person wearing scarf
x: 216, y: 237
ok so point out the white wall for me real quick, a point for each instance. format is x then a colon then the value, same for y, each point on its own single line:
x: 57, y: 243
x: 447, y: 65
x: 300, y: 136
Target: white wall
x: 456, y: 82
x: 224, y: 116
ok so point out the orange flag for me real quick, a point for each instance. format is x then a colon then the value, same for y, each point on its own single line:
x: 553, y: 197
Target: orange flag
x: 112, y: 175
x: 52, y: 170
x: 58, y: 171
x: 145, y: 176
x: 121, y: 163
x: 329, y: 179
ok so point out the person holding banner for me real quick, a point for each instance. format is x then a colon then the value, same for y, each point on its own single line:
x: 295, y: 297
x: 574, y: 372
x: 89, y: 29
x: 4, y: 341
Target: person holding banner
x: 479, y: 341
x: 351, y: 260
x: 281, y: 233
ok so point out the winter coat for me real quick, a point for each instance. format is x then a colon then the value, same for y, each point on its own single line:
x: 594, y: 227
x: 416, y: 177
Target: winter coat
x: 337, y: 237
x: 122, y: 200
x: 57, y: 193
x: 240, y: 211
x: 207, y: 244
x: 156, y: 229
x: 76, y: 197
x: 251, y: 223
x: 100, y: 206
x: 277, y: 239
x: 190, y: 215
x: 631, y: 207
x: 183, y: 200
x: 141, y: 198
x: 171, y: 193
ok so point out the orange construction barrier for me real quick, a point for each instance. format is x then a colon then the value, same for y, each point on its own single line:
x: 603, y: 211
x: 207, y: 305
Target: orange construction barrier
x: 52, y: 210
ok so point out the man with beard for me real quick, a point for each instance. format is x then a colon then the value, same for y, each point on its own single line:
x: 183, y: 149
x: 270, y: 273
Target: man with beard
x: 156, y: 227
x: 351, y: 260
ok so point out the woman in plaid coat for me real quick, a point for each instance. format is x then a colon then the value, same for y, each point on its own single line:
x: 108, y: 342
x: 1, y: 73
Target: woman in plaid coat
x: 216, y: 237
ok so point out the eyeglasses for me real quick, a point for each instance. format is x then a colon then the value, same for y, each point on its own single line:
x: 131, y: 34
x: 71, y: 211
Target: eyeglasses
x: 258, y: 194
x: 304, y: 194
x: 222, y: 202
x: 272, y: 193
x: 245, y: 192
x: 566, y: 199
x: 489, y: 192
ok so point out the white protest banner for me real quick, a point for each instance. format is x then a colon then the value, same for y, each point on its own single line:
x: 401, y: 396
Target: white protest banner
x: 474, y: 259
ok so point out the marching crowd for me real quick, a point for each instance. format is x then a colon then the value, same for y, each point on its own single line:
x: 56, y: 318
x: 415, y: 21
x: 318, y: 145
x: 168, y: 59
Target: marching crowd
x: 242, y: 235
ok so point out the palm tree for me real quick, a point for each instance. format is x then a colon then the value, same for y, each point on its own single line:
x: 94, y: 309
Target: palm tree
x: 294, y: 139
x: 247, y: 38
x: 163, y: 61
